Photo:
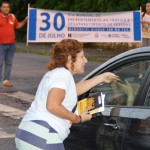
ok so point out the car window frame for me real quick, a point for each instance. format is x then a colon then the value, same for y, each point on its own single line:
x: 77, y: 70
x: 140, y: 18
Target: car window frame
x: 144, y: 89
x: 117, y: 64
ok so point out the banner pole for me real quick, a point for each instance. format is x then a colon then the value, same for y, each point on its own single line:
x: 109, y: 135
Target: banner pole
x: 140, y: 8
x: 27, y: 44
x: 141, y: 25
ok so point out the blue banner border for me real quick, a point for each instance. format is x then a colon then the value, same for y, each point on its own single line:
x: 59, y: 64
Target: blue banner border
x: 32, y: 24
x: 137, y: 26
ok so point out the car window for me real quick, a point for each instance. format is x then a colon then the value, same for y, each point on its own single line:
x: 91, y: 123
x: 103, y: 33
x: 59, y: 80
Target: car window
x: 123, y: 92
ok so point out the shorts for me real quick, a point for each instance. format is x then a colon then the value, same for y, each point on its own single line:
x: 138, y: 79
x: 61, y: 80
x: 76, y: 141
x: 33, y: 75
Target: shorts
x: 37, y: 135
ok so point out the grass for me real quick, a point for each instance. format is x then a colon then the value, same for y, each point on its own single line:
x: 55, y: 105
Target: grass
x: 100, y: 47
x: 116, y: 47
x: 97, y: 59
x: 37, y: 52
x: 47, y: 53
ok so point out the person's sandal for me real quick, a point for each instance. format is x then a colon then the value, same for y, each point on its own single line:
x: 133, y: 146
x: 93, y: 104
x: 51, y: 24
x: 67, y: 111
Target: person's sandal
x: 7, y: 83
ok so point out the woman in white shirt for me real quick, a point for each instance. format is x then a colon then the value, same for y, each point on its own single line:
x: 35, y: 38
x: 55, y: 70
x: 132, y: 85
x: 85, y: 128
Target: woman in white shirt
x: 46, y: 123
x: 145, y: 37
x: 146, y: 26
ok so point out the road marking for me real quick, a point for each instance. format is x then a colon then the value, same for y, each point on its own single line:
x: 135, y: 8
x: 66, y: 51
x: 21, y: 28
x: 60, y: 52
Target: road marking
x: 4, y: 135
x: 21, y: 96
x: 11, y: 112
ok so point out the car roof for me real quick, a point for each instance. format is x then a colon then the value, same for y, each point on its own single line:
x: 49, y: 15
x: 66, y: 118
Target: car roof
x: 143, y: 51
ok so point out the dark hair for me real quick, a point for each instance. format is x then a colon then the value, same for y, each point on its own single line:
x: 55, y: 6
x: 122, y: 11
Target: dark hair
x: 5, y: 2
x: 145, y: 9
x: 143, y: 14
x: 61, y: 51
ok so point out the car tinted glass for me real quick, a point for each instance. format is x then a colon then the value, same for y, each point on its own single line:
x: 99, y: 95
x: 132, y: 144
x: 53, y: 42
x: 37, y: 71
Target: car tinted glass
x: 123, y: 92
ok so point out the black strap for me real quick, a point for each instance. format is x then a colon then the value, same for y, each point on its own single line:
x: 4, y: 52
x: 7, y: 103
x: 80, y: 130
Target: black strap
x: 144, y: 14
x: 74, y: 108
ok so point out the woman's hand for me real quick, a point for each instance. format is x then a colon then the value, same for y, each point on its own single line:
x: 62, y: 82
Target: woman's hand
x: 85, y: 116
x: 128, y: 90
x: 108, y: 77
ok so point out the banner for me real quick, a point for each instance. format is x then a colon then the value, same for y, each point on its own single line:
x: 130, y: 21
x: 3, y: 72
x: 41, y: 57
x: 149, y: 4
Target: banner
x: 53, y: 26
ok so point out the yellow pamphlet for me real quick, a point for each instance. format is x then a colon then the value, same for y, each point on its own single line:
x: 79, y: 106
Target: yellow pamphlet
x: 94, y: 104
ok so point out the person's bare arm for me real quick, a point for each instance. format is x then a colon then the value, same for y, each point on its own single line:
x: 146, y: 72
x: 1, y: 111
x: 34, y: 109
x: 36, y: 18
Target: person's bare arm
x: 145, y: 22
x: 22, y: 23
x: 54, y: 105
x: 86, y: 85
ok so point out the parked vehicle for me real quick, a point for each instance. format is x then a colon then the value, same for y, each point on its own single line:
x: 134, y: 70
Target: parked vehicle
x: 125, y: 122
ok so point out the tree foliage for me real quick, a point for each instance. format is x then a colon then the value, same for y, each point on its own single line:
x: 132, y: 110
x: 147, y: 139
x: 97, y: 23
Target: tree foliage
x: 19, y: 7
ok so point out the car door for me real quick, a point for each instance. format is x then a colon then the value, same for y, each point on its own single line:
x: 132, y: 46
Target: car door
x: 121, y: 100
x: 137, y: 132
x: 108, y: 130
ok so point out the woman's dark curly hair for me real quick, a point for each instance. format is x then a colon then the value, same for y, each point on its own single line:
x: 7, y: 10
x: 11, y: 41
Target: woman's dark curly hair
x: 61, y: 51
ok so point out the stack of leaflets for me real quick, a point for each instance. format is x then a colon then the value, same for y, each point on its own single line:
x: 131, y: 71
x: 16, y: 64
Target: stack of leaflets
x: 94, y: 104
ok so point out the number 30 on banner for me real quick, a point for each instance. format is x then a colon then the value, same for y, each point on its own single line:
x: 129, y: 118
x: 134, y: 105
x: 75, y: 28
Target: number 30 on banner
x: 47, y: 19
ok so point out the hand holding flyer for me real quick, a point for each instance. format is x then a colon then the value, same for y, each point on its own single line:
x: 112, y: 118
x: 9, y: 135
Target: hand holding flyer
x: 94, y: 104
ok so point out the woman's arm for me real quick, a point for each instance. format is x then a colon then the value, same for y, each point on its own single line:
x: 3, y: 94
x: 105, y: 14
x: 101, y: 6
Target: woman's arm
x: 145, y: 22
x: 86, y: 85
x: 54, y: 105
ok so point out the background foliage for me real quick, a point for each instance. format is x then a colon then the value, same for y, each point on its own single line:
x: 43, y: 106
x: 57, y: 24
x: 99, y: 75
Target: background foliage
x: 19, y: 7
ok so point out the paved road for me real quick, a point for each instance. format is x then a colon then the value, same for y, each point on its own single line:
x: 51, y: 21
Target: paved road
x: 27, y: 72
x: 11, y: 112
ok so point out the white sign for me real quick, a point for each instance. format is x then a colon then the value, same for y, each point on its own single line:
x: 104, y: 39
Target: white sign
x: 53, y: 26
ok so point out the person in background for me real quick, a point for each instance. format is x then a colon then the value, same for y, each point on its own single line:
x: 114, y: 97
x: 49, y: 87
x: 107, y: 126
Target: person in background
x: 145, y: 36
x: 46, y: 123
x: 8, y: 23
x: 146, y: 25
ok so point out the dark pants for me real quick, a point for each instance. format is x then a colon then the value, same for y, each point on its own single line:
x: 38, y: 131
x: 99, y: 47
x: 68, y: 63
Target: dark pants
x: 6, y: 59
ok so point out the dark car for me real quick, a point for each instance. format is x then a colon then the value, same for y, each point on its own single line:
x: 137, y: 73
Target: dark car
x: 125, y: 122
